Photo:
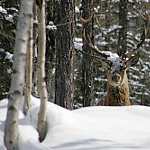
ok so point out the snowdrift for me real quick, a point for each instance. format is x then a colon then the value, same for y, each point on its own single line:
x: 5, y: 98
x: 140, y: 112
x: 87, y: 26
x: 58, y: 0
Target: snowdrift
x: 91, y: 128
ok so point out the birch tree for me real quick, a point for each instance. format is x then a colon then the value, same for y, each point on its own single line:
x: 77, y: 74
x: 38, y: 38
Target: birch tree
x: 35, y: 35
x: 28, y: 72
x: 42, y: 125
x: 17, y: 80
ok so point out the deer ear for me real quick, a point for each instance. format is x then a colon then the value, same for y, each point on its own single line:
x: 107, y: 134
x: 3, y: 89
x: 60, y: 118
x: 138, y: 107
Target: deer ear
x: 133, y: 60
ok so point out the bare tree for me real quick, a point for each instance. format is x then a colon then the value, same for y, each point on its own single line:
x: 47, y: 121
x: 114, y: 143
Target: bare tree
x: 17, y: 81
x: 42, y: 118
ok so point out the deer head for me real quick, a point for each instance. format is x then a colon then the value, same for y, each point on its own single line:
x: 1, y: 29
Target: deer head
x: 116, y: 66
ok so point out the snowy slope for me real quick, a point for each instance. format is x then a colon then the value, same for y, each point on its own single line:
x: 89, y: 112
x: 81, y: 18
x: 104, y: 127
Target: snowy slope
x: 91, y: 128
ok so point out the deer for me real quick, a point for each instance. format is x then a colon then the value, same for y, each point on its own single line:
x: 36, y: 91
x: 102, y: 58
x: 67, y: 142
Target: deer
x: 116, y: 67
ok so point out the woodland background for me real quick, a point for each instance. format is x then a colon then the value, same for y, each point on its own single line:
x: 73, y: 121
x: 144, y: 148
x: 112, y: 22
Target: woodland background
x: 74, y: 80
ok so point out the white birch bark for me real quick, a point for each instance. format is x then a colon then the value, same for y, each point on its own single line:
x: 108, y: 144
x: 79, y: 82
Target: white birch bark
x: 42, y: 118
x: 28, y: 72
x: 17, y: 81
x: 35, y: 35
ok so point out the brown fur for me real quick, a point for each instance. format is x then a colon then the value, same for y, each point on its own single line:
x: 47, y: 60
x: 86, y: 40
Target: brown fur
x: 116, y: 95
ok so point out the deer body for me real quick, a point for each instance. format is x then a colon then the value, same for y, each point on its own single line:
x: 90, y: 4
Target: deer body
x: 118, y: 95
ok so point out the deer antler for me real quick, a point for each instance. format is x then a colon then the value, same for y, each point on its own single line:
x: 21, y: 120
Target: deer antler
x: 146, y: 18
x: 102, y: 56
x: 91, y: 46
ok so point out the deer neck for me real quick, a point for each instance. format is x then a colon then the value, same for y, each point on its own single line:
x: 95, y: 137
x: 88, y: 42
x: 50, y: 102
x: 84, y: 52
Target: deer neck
x: 118, y: 95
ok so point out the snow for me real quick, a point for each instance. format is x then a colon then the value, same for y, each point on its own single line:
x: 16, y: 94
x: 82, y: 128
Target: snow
x: 51, y: 26
x: 79, y: 40
x: 90, y: 128
x: 2, y: 50
x: 35, y: 21
x: 115, y: 59
x: 113, y: 28
x: 2, y: 10
x: 9, y: 17
x: 96, y: 9
x: 78, y: 46
x: 102, y: 43
x: 14, y: 9
x: 9, y: 56
x: 78, y: 43
x: 77, y: 9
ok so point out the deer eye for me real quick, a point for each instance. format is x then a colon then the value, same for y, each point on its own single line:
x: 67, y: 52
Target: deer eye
x: 122, y: 67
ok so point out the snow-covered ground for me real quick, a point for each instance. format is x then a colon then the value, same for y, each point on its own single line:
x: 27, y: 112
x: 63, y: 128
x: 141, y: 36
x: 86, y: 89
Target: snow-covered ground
x: 91, y: 128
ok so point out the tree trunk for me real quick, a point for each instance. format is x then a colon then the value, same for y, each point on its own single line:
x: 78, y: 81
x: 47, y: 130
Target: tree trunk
x: 87, y: 69
x: 42, y: 118
x: 35, y: 35
x: 50, y: 51
x: 64, y: 55
x: 122, y: 42
x: 17, y: 81
x: 107, y: 23
x: 28, y: 75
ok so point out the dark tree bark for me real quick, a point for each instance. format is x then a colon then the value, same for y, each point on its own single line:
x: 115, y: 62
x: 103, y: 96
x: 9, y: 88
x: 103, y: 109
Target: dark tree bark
x: 122, y: 42
x: 87, y: 62
x: 64, y: 55
x: 50, y: 49
x: 49, y: 62
x: 107, y: 23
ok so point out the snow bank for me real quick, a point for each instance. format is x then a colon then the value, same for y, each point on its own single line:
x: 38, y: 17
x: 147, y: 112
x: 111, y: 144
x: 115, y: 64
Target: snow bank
x: 91, y: 128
